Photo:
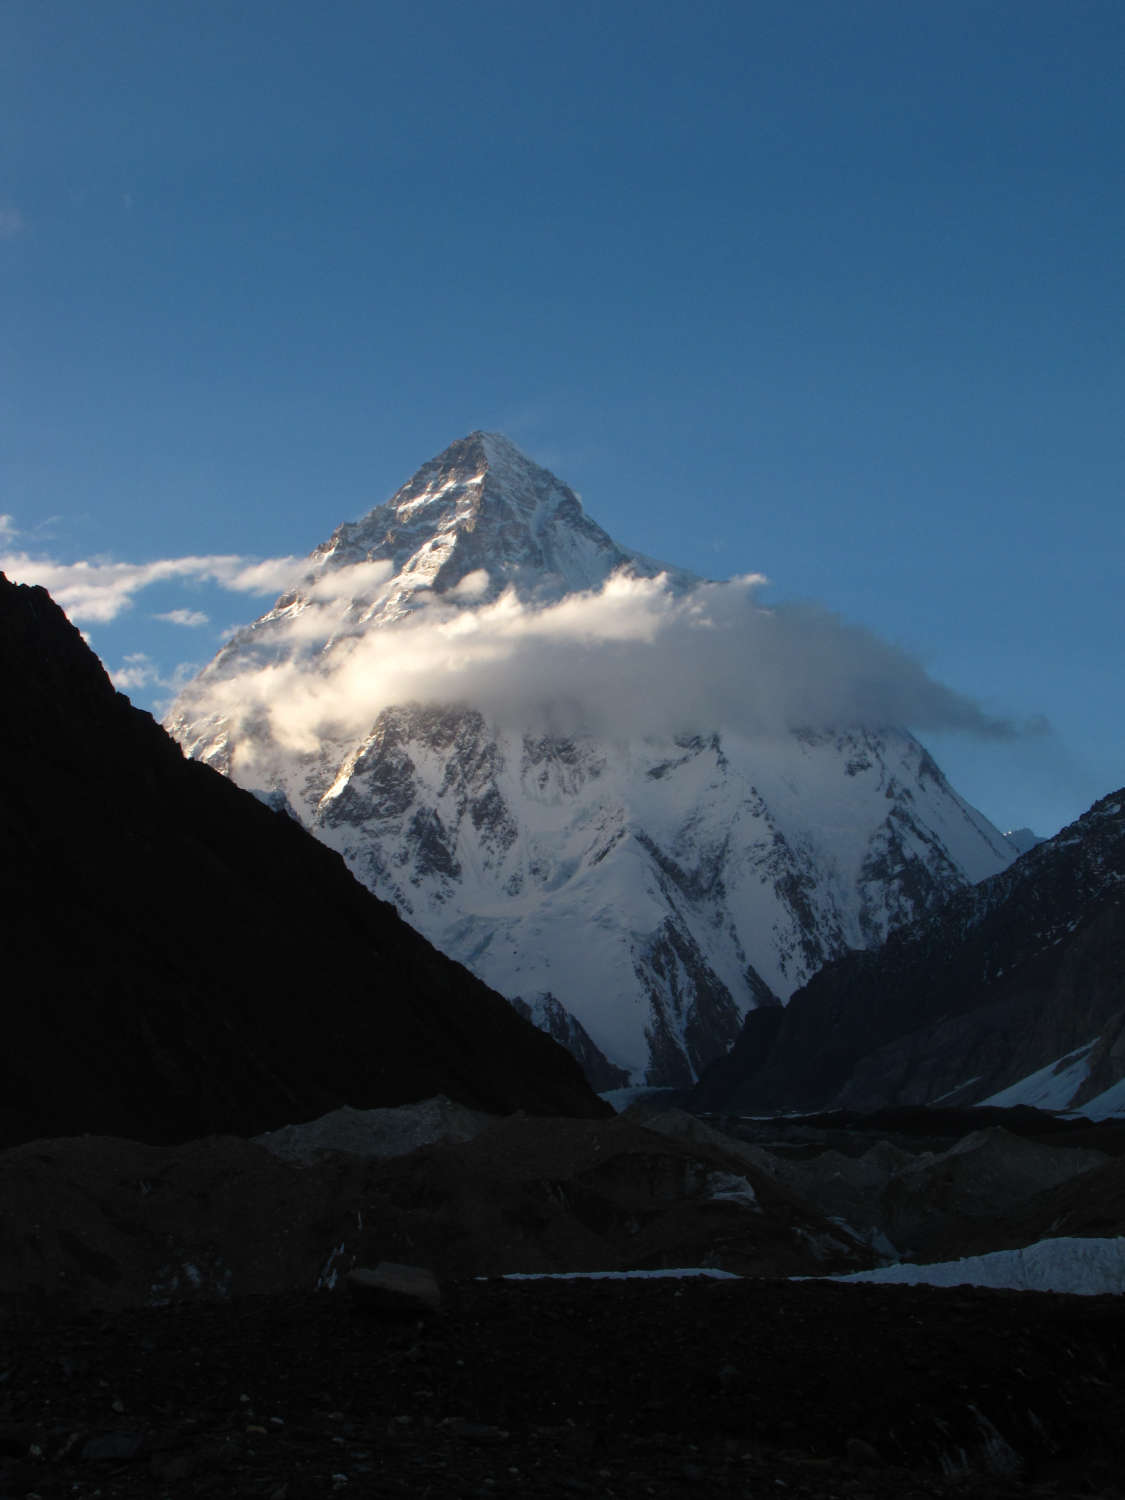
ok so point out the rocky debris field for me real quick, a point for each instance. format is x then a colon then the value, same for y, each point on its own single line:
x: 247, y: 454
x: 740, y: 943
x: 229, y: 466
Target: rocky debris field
x: 568, y: 1388
x: 175, y: 1321
x: 97, y: 1223
x: 926, y: 1184
x: 92, y: 1223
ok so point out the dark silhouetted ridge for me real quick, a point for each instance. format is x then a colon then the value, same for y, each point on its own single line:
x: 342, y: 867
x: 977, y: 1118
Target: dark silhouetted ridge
x: 179, y: 959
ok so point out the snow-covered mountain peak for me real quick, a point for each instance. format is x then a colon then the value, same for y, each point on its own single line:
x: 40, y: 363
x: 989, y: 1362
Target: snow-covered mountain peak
x: 461, y: 697
x: 479, y: 518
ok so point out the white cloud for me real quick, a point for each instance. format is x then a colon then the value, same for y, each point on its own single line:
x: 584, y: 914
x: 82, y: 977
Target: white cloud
x: 137, y: 671
x: 634, y: 657
x: 102, y: 589
x: 363, y: 580
x: 637, y: 656
x: 8, y: 528
x: 189, y: 617
x: 270, y: 576
x: 472, y: 586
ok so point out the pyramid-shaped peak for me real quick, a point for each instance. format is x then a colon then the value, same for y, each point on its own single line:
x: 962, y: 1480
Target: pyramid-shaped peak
x: 488, y: 448
x: 480, y: 507
x: 497, y: 448
x: 477, y: 472
x: 501, y: 453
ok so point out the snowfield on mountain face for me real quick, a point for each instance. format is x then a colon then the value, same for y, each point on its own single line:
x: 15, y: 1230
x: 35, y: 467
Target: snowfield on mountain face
x: 1052, y: 1087
x: 1056, y: 1086
x: 423, y: 701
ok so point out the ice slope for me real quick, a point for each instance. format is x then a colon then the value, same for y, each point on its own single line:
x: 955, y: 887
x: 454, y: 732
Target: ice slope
x: 1052, y: 1087
x: 1056, y: 1087
x: 654, y: 887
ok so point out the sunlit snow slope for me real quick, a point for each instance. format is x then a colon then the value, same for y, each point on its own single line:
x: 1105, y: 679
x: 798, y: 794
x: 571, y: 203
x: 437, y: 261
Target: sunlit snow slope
x: 656, y: 885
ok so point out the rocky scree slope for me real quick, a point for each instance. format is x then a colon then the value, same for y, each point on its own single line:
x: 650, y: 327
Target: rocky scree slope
x: 179, y: 959
x: 1012, y: 976
x: 708, y: 872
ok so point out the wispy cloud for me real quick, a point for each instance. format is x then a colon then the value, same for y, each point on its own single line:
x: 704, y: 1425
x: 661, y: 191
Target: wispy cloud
x: 635, y: 657
x: 138, y: 672
x: 100, y: 590
x: 12, y: 223
x: 8, y: 528
x: 190, y: 617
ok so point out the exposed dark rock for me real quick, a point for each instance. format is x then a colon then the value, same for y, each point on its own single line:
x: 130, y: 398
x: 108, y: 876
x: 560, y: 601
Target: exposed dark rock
x: 179, y: 959
x: 113, y: 1447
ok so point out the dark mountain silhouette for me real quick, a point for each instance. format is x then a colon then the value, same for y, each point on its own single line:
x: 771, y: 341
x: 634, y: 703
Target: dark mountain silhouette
x: 1007, y: 978
x: 179, y: 959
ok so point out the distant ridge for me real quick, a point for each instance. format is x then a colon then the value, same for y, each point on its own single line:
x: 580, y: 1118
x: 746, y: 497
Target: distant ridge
x: 1021, y: 975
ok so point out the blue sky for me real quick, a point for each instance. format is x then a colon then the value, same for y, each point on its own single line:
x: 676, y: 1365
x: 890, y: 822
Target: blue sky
x: 827, y: 291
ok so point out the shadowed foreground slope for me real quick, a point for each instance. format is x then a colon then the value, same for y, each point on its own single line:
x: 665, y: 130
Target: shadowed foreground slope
x: 179, y: 959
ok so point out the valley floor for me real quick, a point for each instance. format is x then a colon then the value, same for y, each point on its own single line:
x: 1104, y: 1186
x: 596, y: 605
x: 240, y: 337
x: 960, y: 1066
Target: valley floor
x: 658, y: 1388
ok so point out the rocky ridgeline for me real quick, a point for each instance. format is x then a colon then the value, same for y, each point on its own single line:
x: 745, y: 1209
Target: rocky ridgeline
x: 1007, y: 978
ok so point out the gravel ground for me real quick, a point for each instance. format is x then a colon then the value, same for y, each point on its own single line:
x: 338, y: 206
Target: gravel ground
x: 615, y: 1389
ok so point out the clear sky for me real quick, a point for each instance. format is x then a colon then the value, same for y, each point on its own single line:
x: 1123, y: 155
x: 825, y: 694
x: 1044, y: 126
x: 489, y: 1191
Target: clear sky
x: 829, y: 291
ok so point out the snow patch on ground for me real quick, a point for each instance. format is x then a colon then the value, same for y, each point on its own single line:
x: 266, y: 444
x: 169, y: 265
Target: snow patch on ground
x: 661, y: 1275
x: 1082, y: 1267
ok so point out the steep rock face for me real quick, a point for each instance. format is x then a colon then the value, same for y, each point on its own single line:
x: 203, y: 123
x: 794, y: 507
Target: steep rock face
x: 1025, y: 969
x: 656, y: 888
x: 179, y: 959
